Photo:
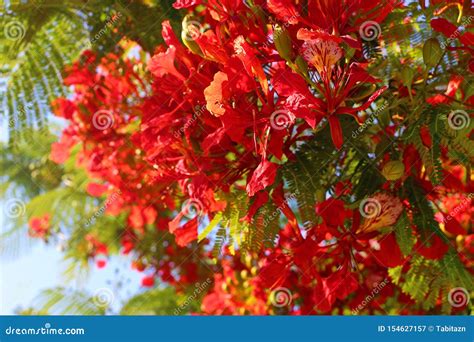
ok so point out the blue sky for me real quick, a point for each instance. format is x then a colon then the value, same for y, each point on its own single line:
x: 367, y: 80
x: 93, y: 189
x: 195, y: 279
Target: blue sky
x: 41, y: 267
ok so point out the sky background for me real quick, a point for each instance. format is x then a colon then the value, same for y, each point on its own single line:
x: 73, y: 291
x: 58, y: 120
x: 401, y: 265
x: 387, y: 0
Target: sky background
x: 23, y: 278
x: 40, y: 267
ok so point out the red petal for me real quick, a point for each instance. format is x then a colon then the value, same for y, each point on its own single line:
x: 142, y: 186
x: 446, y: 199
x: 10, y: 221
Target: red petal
x: 260, y: 199
x: 101, y: 263
x: 336, y: 131
x: 252, y: 65
x: 434, y: 248
x: 284, y: 10
x: 148, y: 281
x: 426, y: 136
x: 274, y: 272
x: 63, y: 108
x: 215, y: 96
x: 333, y: 212
x: 95, y: 189
x: 443, y: 26
x: 135, y: 219
x: 59, y: 152
x: 162, y: 64
x: 187, y: 233
x: 179, y: 4
x: 452, y: 226
x: 389, y: 254
x: 263, y: 176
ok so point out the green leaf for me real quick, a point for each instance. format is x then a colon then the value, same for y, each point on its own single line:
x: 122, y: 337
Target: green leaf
x: 214, y: 222
x: 432, y: 52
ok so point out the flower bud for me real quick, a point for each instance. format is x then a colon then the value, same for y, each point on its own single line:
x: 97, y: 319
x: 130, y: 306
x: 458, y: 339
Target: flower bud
x: 282, y: 41
x: 190, y: 32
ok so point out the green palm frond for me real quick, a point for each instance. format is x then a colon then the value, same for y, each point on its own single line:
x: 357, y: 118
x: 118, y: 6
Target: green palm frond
x: 39, y: 37
x: 160, y: 301
x: 62, y: 301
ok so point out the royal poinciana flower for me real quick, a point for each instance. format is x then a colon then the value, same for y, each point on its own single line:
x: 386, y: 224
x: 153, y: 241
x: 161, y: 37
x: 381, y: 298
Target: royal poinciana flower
x: 223, y: 114
x: 338, y: 83
x: 40, y: 226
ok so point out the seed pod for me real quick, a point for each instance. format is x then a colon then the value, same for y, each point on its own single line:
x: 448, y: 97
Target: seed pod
x: 302, y: 65
x: 425, y: 136
x: 393, y: 170
x: 432, y: 52
x: 384, y: 118
x: 282, y: 41
x: 189, y: 32
x: 407, y: 76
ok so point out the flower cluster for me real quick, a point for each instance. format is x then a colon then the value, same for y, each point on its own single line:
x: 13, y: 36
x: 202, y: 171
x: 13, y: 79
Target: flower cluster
x: 229, y: 106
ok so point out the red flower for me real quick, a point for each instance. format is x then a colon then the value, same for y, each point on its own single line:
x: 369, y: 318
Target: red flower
x: 432, y: 248
x: 178, y: 4
x: 101, y: 263
x: 337, y: 286
x: 40, y: 226
x: 95, y: 189
x: 263, y: 176
x: 148, y: 281
x: 389, y: 254
x: 333, y: 212
x: 426, y: 136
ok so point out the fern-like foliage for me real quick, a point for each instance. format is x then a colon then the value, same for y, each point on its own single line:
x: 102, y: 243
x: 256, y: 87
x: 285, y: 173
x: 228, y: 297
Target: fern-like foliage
x: 40, y: 37
x: 61, y: 301
x: 429, y: 280
x: 160, y: 301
